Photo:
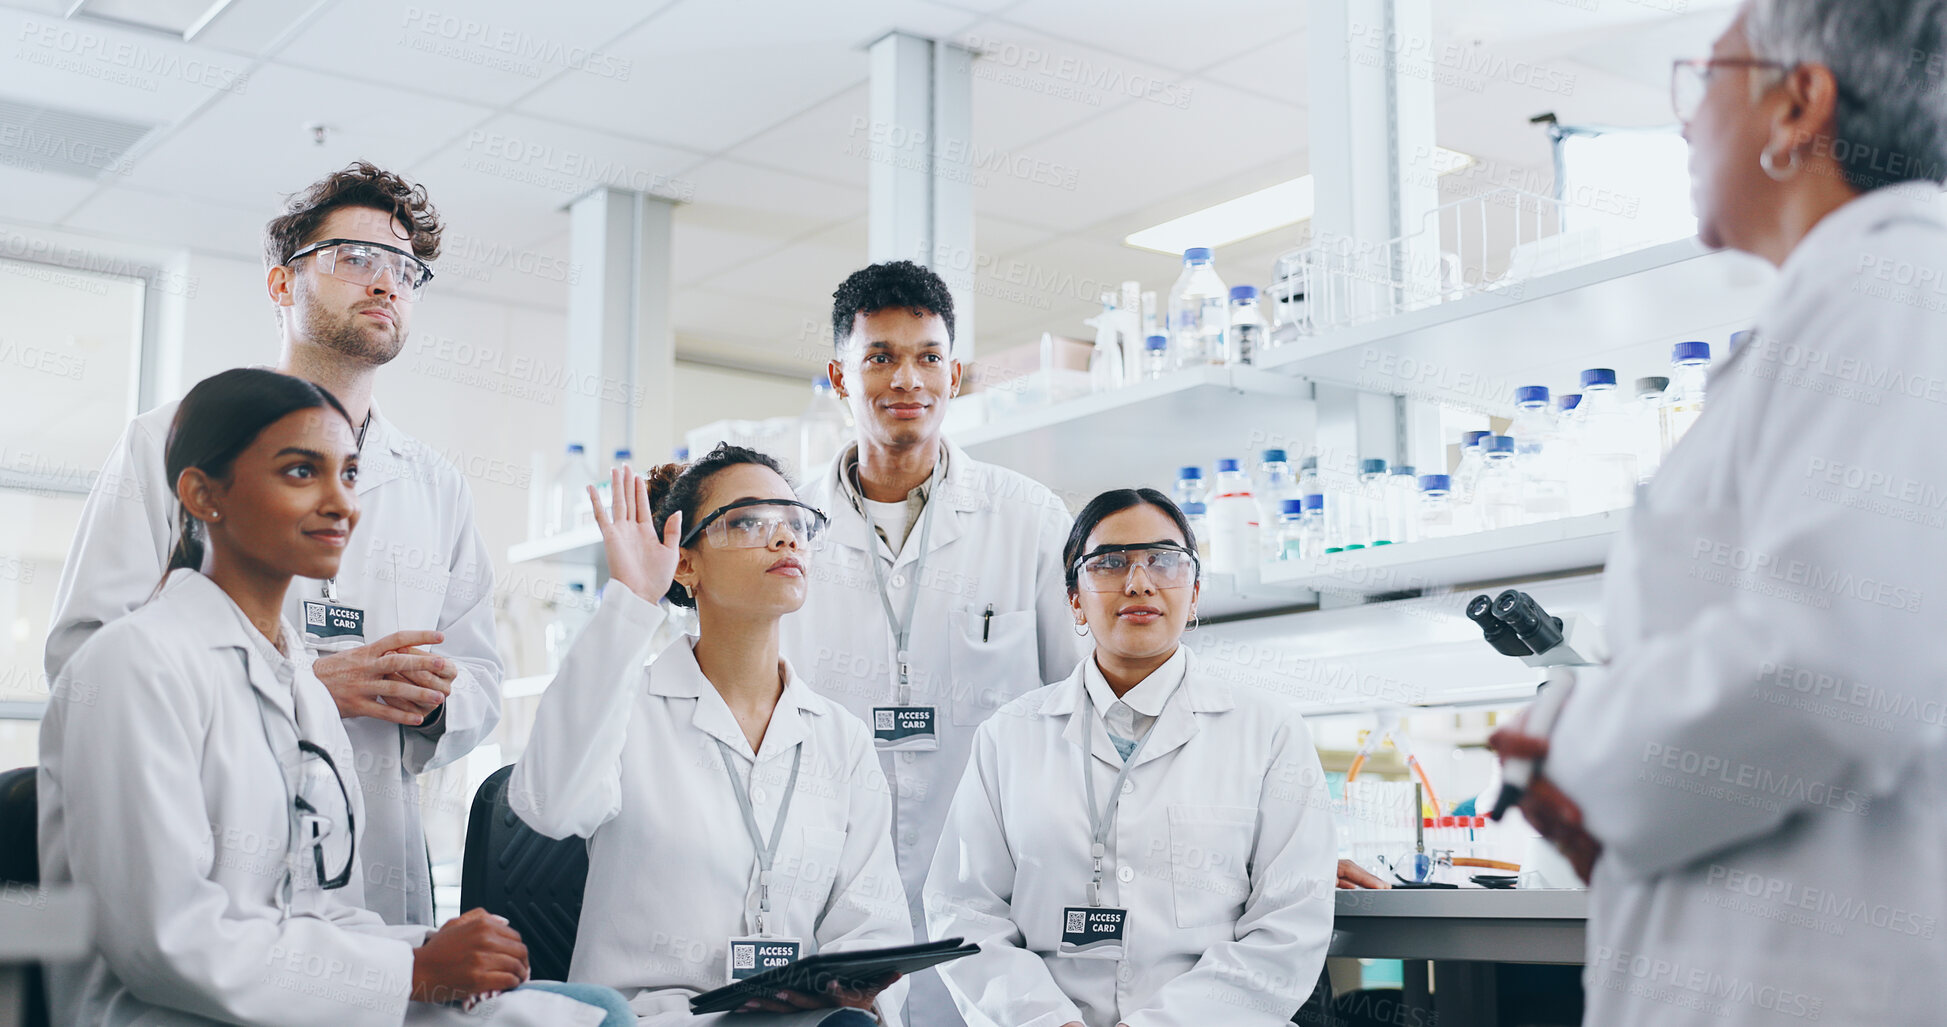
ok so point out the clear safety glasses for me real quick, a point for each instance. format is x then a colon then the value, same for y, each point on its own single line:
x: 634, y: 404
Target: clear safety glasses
x: 1113, y: 568
x: 323, y: 816
x: 754, y: 523
x: 1690, y: 80
x: 364, y: 263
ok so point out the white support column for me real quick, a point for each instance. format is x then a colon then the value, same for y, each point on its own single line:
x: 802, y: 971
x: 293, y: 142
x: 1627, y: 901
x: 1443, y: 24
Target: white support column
x: 920, y: 178
x: 621, y: 353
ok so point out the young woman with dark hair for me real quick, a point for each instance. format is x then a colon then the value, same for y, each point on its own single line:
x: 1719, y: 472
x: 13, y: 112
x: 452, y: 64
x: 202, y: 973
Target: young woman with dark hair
x: 1143, y: 842
x: 725, y: 804
x: 194, y: 771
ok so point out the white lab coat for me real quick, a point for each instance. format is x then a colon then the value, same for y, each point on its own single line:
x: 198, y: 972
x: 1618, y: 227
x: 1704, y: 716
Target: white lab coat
x: 1764, y: 761
x: 997, y: 538
x: 163, y: 792
x: 1223, y: 853
x: 415, y: 562
x: 625, y: 754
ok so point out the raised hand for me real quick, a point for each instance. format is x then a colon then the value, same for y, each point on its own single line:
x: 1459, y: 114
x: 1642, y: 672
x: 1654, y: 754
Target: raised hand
x: 637, y: 557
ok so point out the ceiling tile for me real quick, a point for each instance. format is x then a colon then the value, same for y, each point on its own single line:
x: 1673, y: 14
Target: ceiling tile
x: 1028, y: 85
x: 1168, y: 33
x: 826, y: 140
x: 98, y: 68
x: 233, y: 229
x: 731, y: 191
x: 1275, y: 70
x: 38, y: 197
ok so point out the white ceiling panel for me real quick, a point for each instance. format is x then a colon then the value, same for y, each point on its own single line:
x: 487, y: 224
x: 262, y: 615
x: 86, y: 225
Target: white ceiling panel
x: 804, y: 272
x: 796, y: 331
x: 1504, y: 21
x: 1028, y: 85
x: 829, y: 140
x: 753, y: 196
x: 1000, y: 236
x: 758, y: 63
x: 121, y: 73
x: 1275, y: 69
x: 268, y: 122
x: 206, y: 226
x: 1169, y: 33
x: 488, y: 51
x: 537, y: 273
x: 37, y: 197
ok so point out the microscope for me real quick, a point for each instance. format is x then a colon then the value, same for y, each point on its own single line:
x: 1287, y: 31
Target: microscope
x: 1515, y: 625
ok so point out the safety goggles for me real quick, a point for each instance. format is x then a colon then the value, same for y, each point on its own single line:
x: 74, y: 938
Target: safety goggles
x: 754, y: 523
x: 364, y: 263
x: 1113, y: 568
x: 1690, y: 80
x: 321, y: 803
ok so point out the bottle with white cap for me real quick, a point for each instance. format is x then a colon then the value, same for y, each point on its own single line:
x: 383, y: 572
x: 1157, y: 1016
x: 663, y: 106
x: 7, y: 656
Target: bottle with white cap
x: 1684, y: 402
x: 1233, y: 521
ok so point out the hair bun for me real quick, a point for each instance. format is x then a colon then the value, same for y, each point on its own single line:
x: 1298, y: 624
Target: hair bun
x: 660, y: 479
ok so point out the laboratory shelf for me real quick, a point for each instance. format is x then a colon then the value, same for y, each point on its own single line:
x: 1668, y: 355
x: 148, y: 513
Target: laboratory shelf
x: 581, y: 545
x: 1141, y: 433
x: 1622, y: 312
x: 1476, y: 925
x: 1523, y: 551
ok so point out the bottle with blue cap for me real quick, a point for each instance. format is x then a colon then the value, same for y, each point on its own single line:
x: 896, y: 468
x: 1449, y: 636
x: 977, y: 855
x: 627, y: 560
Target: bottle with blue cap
x: 1403, y: 502
x: 1199, y: 312
x: 1247, y: 330
x: 1436, y: 510
x: 1605, y: 469
x: 1156, y: 357
x: 1234, y: 517
x: 1190, y: 487
x: 1683, y: 402
x: 1314, y: 525
x: 1646, y: 424
x: 1468, y: 471
x: 1541, y: 456
x: 1291, y: 530
x: 1498, y: 495
x: 1274, y: 483
x: 1198, y: 517
x: 1374, y: 509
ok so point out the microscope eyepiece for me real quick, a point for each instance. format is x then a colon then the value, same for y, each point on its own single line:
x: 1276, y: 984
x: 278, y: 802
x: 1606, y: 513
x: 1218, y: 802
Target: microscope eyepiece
x: 1503, y: 638
x: 1525, y: 617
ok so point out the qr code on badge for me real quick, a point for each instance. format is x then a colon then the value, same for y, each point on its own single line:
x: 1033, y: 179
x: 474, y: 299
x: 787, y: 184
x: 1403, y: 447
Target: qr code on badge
x: 743, y: 957
x: 314, y: 614
x: 882, y: 720
x: 1077, y: 923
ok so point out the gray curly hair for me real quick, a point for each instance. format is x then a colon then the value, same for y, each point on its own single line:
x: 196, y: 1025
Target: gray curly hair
x: 1890, y: 60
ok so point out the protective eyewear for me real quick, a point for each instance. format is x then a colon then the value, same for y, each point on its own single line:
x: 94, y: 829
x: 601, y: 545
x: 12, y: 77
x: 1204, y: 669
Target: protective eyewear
x: 1690, y: 80
x: 318, y: 816
x: 754, y: 523
x: 1113, y: 568
x: 364, y: 263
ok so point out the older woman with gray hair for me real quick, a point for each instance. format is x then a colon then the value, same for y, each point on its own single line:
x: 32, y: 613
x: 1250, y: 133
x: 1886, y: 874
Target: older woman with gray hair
x: 1756, y: 789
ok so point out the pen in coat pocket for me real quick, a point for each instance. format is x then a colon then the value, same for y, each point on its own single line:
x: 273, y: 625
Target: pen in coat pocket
x: 986, y: 622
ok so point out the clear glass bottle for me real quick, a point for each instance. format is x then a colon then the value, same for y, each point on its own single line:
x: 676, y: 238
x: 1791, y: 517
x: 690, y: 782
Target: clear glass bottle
x: 1436, y: 506
x: 1198, y: 517
x: 1105, y: 361
x: 1498, y: 494
x: 1467, y: 472
x: 1189, y: 486
x: 1374, y: 517
x: 1314, y: 525
x: 1156, y: 357
x: 1199, y: 312
x: 1273, y: 484
x: 1607, y: 462
x: 1247, y: 332
x: 567, y: 499
x: 1292, y: 530
x: 1308, y: 481
x: 1233, y: 521
x: 1403, y: 502
x: 1646, y: 425
x: 1684, y: 403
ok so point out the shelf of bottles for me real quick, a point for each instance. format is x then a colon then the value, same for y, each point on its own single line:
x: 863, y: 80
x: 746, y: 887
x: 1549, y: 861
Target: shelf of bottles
x: 1518, y: 551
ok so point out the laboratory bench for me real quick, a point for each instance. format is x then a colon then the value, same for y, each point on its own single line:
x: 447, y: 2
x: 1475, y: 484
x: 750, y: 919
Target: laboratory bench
x: 1470, y: 944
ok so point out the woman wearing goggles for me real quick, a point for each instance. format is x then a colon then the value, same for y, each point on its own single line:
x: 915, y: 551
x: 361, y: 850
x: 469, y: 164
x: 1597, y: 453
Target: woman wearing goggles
x: 1145, y: 840
x: 725, y: 802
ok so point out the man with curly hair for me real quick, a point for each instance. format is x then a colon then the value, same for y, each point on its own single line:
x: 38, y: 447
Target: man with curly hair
x: 938, y: 593
x: 404, y: 636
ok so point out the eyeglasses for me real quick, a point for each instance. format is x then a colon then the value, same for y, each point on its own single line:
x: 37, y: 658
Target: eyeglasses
x: 364, y: 263
x: 754, y: 523
x: 1113, y: 568
x: 1690, y: 80
x: 318, y: 814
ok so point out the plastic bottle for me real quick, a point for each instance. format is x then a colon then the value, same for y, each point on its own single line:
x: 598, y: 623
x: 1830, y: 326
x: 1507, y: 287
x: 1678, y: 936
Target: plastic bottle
x: 821, y: 430
x: 1403, y: 502
x: 1199, y: 519
x: 1606, y: 466
x: 1189, y: 487
x: 1369, y: 515
x: 1247, y: 333
x: 566, y: 495
x: 1156, y: 357
x: 1314, y: 525
x: 1308, y: 481
x: 1646, y: 425
x: 1498, y: 494
x: 1199, y: 312
x: 1689, y: 366
x: 1467, y: 473
x: 1105, y: 362
x: 1233, y: 521
x: 1274, y: 484
x: 1291, y: 530
x: 1436, y: 506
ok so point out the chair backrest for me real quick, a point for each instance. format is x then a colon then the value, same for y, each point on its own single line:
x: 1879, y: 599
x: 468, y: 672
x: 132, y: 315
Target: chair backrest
x: 533, y: 880
x: 19, y: 859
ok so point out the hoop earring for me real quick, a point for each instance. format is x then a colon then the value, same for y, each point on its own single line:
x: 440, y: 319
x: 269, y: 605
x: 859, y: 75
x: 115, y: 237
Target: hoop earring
x: 1195, y: 622
x: 1081, y: 630
x: 1770, y: 165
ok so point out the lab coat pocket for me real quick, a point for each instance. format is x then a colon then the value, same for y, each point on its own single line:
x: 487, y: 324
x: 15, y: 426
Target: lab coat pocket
x: 819, y: 851
x: 991, y: 661
x: 1210, y: 854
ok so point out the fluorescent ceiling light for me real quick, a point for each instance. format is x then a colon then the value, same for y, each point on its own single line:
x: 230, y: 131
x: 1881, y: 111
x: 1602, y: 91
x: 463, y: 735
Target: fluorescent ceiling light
x: 180, y: 18
x: 1278, y: 206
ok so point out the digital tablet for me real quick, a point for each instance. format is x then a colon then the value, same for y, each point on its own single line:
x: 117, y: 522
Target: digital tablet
x: 855, y: 968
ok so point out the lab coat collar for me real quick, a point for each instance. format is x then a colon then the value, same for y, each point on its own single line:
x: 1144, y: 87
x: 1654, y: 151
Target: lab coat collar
x: 270, y: 672
x: 676, y: 675
x: 387, y: 454
x: 964, y: 490
x: 1175, y: 725
x: 1150, y: 695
